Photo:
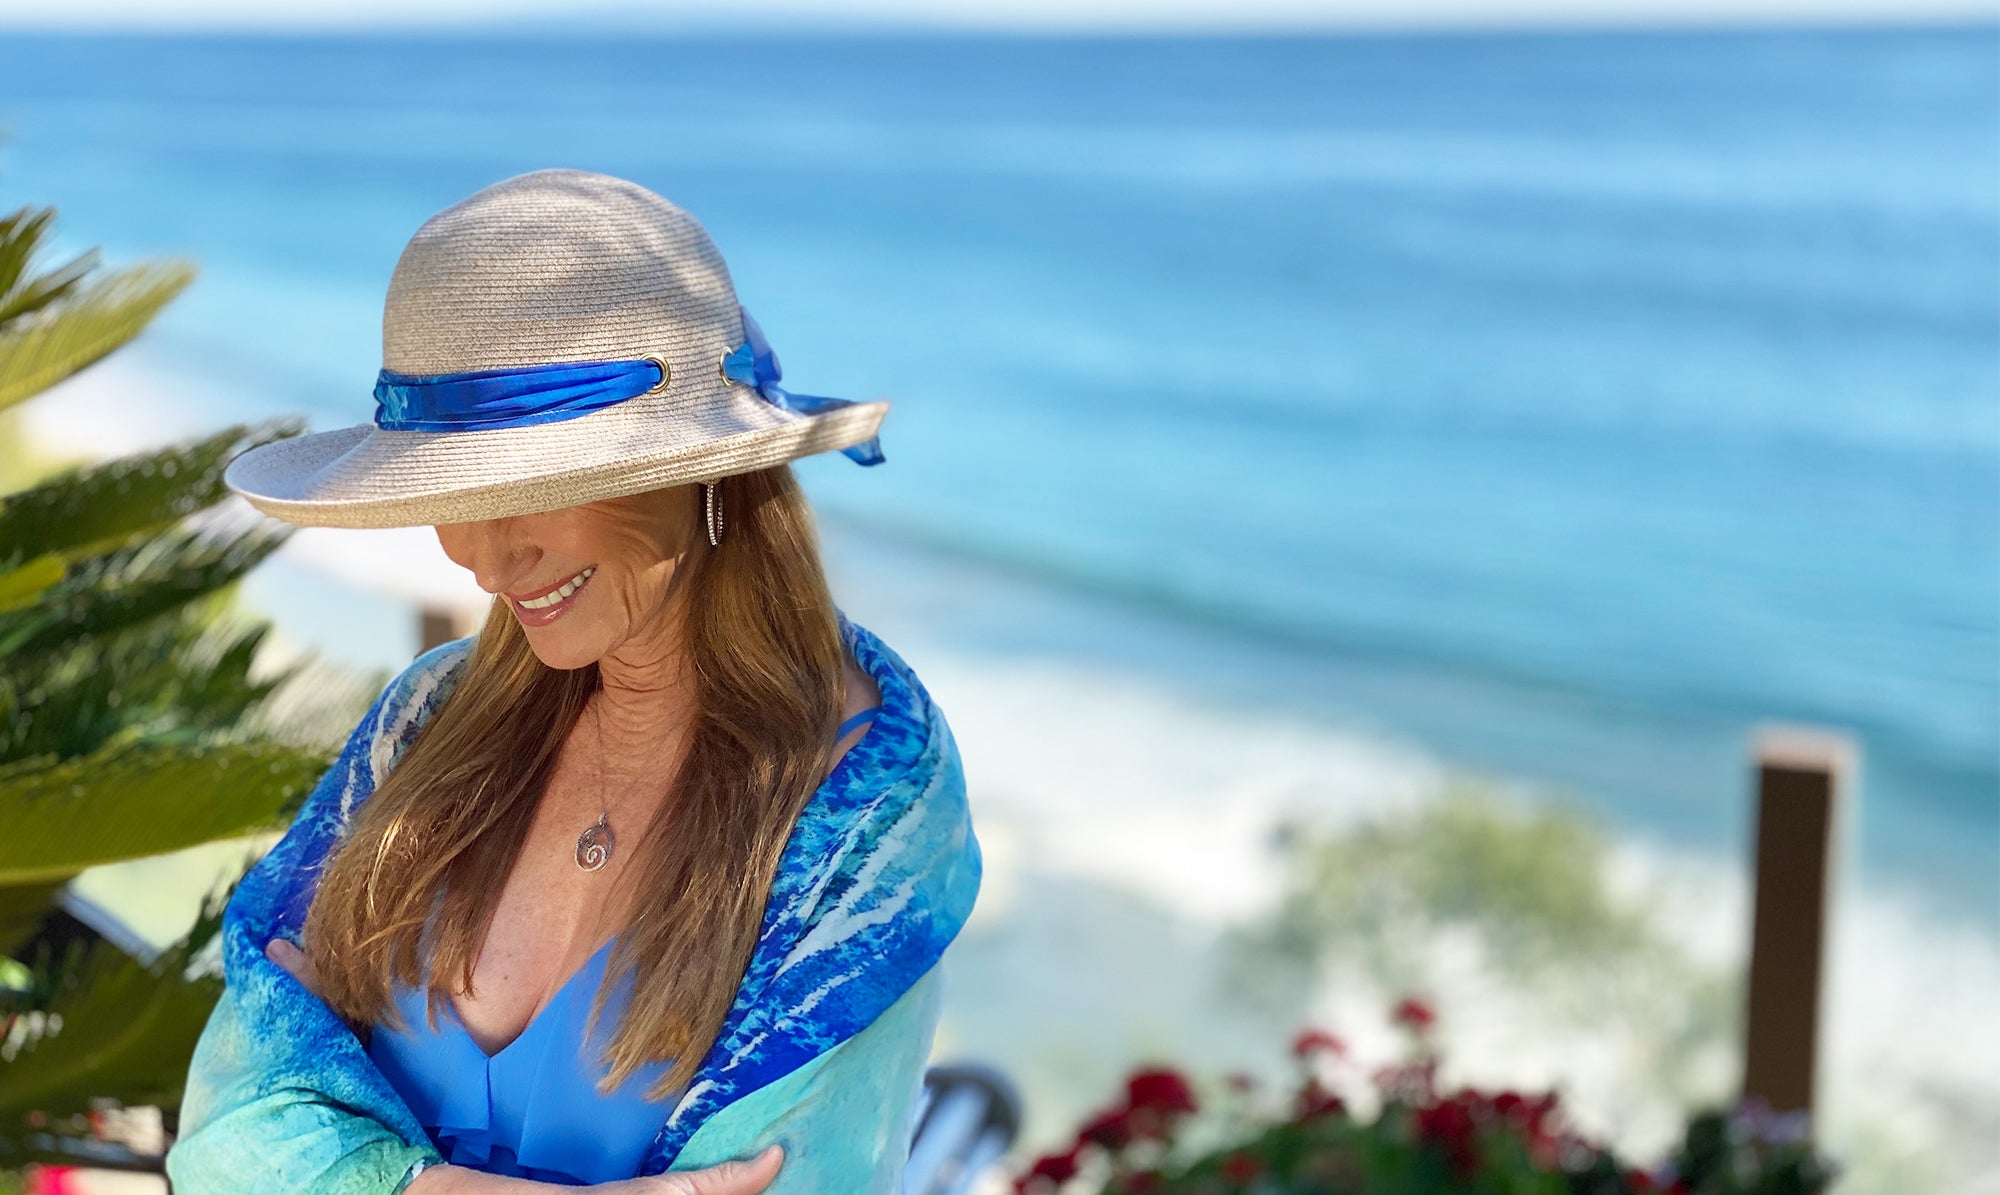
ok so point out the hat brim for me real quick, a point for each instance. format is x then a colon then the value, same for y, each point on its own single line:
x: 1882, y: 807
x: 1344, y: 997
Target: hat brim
x: 364, y: 476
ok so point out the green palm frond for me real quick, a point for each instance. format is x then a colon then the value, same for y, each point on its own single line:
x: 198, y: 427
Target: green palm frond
x: 93, y: 507
x: 28, y: 583
x: 139, y: 799
x: 220, y: 693
x: 81, y: 323
x: 112, y: 1027
x: 20, y: 292
x: 20, y: 235
x: 23, y: 908
x: 132, y: 583
x: 130, y: 722
x: 183, y: 677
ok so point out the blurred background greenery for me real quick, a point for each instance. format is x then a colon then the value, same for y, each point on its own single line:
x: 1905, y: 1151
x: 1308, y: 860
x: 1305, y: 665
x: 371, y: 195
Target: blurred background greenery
x: 137, y: 745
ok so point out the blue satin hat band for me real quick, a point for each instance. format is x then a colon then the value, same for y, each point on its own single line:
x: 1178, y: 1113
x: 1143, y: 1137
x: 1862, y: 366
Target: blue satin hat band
x: 519, y: 397
x: 449, y: 402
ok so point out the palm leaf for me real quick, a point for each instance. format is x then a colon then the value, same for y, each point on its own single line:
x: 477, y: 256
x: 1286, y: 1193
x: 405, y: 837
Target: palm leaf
x: 137, y: 799
x: 115, y: 1028
x: 45, y: 346
x: 130, y: 725
x: 87, y: 508
x: 23, y: 908
x: 182, y: 677
x: 25, y: 585
x: 20, y: 236
x: 132, y: 583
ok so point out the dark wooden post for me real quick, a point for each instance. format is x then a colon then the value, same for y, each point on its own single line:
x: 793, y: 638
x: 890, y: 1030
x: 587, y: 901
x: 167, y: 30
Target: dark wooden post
x: 435, y: 625
x: 1804, y: 778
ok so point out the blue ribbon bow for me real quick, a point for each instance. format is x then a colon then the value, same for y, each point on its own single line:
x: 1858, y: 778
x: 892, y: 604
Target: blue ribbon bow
x: 754, y: 364
x: 518, y: 397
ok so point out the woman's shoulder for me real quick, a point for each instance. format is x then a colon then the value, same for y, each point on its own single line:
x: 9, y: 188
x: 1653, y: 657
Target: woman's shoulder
x: 409, y: 699
x: 431, y: 674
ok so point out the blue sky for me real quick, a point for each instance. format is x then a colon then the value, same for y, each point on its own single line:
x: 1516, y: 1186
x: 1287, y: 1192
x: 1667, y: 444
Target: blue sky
x: 968, y: 14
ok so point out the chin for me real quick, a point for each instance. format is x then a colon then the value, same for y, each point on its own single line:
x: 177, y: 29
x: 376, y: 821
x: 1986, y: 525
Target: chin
x: 561, y: 648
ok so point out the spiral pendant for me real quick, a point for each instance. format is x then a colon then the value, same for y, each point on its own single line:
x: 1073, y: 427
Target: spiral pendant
x: 593, y: 846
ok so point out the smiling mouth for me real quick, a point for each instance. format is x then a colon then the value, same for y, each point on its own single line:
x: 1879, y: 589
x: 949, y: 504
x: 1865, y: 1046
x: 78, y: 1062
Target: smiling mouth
x: 557, y: 594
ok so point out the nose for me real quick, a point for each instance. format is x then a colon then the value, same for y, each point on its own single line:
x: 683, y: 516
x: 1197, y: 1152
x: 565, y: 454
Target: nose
x: 488, y: 549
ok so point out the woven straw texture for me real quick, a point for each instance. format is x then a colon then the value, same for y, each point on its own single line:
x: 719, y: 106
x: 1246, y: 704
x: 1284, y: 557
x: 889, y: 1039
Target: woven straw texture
x: 551, y: 266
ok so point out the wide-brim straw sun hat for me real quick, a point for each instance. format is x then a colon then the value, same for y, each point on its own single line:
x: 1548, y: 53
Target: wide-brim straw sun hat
x: 559, y: 337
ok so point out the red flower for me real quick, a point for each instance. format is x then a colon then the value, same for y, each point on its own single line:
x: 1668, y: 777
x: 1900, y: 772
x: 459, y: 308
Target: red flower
x: 1057, y: 1168
x: 1312, y: 1041
x: 1111, y: 1128
x: 1156, y: 1099
x: 1449, y: 1124
x: 1414, y: 1013
x: 1408, y: 1082
x: 1535, y: 1118
x: 1241, y: 1167
x: 1532, y: 1116
x: 1315, y: 1100
x: 1648, y: 1184
x: 1159, y: 1089
x: 1446, y: 1121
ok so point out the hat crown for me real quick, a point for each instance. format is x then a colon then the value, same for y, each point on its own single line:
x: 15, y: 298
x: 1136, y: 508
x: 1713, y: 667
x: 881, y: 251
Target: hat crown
x: 559, y: 266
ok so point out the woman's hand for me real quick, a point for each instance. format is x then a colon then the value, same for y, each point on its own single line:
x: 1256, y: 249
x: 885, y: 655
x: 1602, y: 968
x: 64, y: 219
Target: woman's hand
x: 728, y: 1178
x: 292, y: 959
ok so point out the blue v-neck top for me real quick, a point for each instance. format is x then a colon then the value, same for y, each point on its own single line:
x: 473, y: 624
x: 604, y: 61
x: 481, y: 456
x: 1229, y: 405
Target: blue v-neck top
x: 532, y: 1110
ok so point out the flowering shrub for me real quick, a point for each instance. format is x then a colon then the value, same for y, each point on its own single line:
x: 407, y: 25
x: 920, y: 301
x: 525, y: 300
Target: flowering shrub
x: 1421, y: 1141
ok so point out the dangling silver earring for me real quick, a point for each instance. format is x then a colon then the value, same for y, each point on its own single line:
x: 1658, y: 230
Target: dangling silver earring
x: 713, y: 508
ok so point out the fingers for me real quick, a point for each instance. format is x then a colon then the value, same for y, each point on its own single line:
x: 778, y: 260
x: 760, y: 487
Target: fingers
x: 286, y: 955
x: 292, y: 959
x: 733, y: 1177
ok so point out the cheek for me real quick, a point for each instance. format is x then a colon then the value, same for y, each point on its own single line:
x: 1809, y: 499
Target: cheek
x: 641, y: 589
x: 633, y: 551
x: 635, y: 569
x: 637, y: 587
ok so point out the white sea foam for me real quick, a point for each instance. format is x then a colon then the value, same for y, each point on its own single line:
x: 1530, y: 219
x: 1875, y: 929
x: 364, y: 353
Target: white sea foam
x: 1126, y: 782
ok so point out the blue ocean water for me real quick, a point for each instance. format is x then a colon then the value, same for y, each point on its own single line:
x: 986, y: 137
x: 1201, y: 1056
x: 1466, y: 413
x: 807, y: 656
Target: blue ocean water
x: 1651, y: 377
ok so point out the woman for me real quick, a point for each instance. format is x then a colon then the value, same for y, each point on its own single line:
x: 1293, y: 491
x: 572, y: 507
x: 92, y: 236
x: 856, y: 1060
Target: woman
x: 652, y: 873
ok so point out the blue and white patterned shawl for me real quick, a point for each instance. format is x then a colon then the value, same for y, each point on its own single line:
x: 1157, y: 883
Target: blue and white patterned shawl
x: 880, y: 873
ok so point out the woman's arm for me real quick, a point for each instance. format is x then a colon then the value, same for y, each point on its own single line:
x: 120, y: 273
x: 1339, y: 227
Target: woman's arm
x: 845, y: 1117
x: 252, y: 1135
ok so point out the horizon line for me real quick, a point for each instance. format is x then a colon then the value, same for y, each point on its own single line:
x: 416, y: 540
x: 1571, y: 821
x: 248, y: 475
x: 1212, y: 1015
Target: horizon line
x: 1107, y: 17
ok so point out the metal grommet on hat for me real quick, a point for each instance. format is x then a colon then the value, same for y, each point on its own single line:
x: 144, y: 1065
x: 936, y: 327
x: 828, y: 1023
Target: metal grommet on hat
x: 509, y: 384
x: 666, y: 373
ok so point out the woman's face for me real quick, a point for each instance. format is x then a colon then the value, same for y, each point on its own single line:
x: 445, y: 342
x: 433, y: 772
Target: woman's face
x: 617, y: 557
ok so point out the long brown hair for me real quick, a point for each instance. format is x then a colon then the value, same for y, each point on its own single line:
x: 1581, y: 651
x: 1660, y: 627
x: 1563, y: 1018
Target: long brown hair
x: 442, y: 829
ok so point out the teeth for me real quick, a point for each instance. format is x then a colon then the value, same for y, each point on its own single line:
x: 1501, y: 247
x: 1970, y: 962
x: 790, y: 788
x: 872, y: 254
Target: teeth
x: 568, y: 587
